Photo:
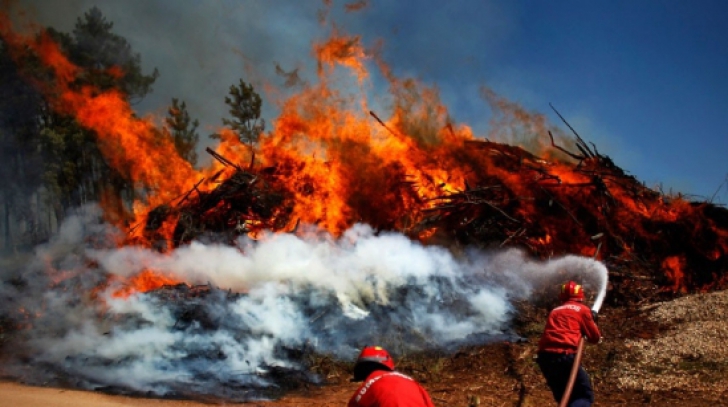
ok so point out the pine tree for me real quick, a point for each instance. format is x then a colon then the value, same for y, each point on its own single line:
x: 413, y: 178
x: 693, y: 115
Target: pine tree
x: 46, y: 151
x: 245, y: 106
x: 97, y: 49
x: 75, y: 170
x: 182, y: 131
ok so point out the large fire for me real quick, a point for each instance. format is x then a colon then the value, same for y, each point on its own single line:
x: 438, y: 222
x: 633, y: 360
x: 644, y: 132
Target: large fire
x: 331, y: 162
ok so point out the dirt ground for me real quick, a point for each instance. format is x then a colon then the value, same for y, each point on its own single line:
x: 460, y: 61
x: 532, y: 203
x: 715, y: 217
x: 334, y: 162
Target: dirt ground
x: 18, y: 395
x: 673, y: 353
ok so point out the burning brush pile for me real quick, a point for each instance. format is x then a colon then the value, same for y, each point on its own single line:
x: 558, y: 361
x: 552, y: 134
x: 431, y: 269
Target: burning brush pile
x: 509, y: 198
x: 335, y: 230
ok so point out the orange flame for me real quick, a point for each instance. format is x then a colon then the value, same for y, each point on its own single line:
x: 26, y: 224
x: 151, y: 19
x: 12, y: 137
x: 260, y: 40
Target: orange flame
x: 146, y: 280
x: 673, y: 268
x: 342, y: 50
x: 344, y: 164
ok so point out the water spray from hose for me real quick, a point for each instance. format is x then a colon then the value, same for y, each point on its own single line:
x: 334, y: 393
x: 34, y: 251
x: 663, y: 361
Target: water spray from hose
x: 602, y: 288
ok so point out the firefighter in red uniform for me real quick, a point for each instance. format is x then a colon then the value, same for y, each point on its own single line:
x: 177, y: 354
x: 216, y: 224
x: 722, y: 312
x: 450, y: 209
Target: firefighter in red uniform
x: 565, y: 326
x: 383, y: 386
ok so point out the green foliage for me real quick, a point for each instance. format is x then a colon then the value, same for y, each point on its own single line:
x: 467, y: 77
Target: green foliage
x: 45, y: 150
x: 245, y: 106
x: 182, y: 130
x: 76, y: 164
x: 97, y: 49
x: 72, y: 168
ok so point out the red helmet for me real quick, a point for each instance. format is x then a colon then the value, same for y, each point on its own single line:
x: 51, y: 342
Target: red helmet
x: 571, y: 291
x: 376, y: 354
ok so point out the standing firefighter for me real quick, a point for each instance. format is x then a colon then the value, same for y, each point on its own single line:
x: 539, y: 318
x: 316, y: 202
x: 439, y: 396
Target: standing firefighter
x: 557, y: 348
x: 383, y: 386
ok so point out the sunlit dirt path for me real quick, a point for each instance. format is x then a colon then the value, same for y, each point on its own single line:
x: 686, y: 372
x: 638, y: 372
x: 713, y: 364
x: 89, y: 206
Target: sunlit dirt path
x: 18, y: 395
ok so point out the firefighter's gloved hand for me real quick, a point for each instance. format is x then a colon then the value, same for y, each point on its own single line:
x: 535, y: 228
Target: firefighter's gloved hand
x: 595, y: 316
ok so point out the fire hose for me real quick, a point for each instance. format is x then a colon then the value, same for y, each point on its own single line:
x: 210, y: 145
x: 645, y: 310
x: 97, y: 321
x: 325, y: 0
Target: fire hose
x: 574, y: 369
x: 577, y: 359
x: 572, y: 376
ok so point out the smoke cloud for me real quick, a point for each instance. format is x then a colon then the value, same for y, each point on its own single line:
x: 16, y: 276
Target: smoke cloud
x: 201, y: 49
x: 250, y: 309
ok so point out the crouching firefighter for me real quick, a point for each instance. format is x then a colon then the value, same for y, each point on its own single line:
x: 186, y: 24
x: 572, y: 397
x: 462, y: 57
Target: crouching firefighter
x: 383, y: 386
x: 565, y: 327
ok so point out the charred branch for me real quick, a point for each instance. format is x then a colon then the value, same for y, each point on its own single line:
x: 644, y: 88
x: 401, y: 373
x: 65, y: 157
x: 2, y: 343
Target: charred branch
x: 374, y: 115
x: 222, y: 159
x: 580, y: 143
x: 563, y: 150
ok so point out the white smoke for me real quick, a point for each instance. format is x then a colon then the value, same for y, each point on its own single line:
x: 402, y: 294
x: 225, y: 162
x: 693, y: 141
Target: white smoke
x: 262, y: 303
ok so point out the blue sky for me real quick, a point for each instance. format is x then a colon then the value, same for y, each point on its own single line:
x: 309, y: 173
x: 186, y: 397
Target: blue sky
x: 646, y: 81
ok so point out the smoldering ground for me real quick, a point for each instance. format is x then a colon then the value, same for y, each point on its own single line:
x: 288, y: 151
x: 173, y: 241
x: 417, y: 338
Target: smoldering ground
x: 248, y: 312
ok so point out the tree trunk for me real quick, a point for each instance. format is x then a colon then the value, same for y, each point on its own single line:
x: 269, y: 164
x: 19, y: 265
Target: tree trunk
x: 8, y: 235
x: 6, y: 224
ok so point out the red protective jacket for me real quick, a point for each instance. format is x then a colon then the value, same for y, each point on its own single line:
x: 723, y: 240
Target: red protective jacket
x: 390, y: 389
x: 566, y: 324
